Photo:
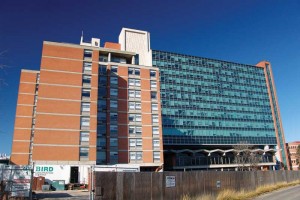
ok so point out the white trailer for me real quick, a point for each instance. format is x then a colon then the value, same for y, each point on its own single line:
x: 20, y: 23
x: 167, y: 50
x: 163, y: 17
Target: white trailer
x: 67, y: 173
x: 117, y: 168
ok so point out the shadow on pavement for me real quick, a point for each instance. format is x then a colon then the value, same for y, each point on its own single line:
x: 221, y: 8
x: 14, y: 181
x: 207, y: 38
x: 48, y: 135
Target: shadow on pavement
x: 63, y: 195
x: 53, y: 195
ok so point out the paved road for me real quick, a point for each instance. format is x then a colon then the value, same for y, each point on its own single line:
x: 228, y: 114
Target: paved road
x: 290, y: 193
x: 63, y: 195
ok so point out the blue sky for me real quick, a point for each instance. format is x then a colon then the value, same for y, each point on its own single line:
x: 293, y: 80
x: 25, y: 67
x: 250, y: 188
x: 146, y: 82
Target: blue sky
x: 245, y: 31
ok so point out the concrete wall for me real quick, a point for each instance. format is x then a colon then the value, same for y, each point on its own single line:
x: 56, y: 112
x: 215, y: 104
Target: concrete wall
x: 149, y: 185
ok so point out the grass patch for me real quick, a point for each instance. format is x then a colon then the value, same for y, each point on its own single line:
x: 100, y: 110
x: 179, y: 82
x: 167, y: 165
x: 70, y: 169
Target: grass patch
x: 242, y: 195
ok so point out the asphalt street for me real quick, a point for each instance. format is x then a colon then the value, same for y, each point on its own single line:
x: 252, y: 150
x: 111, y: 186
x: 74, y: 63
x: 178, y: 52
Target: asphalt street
x: 63, y: 195
x: 290, y: 193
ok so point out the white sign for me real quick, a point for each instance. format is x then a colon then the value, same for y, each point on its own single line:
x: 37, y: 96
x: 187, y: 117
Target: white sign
x: 170, y: 181
x: 43, y: 170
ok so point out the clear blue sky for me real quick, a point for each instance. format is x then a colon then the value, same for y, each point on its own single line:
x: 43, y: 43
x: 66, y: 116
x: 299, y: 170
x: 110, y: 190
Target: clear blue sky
x: 245, y: 31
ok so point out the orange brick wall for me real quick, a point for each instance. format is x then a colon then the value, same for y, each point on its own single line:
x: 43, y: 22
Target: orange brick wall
x: 19, y: 159
x: 56, y: 137
x: 62, y: 52
x: 61, y: 65
x: 23, y: 120
x: 55, y: 153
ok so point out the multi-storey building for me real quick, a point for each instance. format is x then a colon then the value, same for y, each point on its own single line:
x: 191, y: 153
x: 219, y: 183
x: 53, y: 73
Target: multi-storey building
x: 102, y: 105
x: 90, y: 105
x: 292, y: 155
x: 210, y: 105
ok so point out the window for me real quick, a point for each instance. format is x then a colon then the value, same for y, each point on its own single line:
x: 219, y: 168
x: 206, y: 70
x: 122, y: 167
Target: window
x: 156, y: 143
x: 84, y: 136
x: 134, y: 82
x: 139, y: 142
x: 113, y: 142
x: 101, y: 117
x: 132, y: 155
x: 135, y: 142
x: 133, y: 71
x: 114, y: 69
x: 137, y: 72
x: 132, y: 142
x: 131, y: 82
x: 130, y: 71
x: 86, y: 93
x: 131, y: 117
x: 156, y: 155
x: 85, y: 107
x: 131, y: 105
x: 154, y: 118
x: 135, y: 130
x: 101, y: 129
x: 113, y: 117
x: 134, y: 105
x: 113, y: 104
x: 154, y: 106
x: 137, y: 83
x: 102, y: 104
x: 131, y: 93
x: 113, y: 80
x: 113, y: 130
x: 155, y: 130
x: 118, y: 59
x: 85, y: 121
x: 101, y: 142
x: 113, y: 92
x: 152, y: 73
x: 153, y: 95
x: 84, y: 152
x: 86, y: 79
x: 102, y: 80
x: 153, y: 84
x: 138, y: 106
x: 135, y: 118
x: 138, y: 94
x: 102, y: 69
x: 138, y: 130
x: 113, y: 156
x: 103, y: 58
x: 87, y: 67
x: 134, y: 94
x: 88, y: 53
x: 139, y: 155
x: 138, y: 118
x: 136, y: 155
x: 131, y: 130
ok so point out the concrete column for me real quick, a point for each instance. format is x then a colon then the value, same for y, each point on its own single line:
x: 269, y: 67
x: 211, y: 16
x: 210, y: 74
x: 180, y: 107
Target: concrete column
x: 109, y: 57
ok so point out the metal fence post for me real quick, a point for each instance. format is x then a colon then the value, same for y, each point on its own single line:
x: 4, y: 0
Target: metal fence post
x: 31, y: 180
x: 92, y: 192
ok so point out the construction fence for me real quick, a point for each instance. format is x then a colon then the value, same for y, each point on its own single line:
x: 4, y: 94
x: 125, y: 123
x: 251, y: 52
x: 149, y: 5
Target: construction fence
x: 15, y: 182
x: 173, y: 185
